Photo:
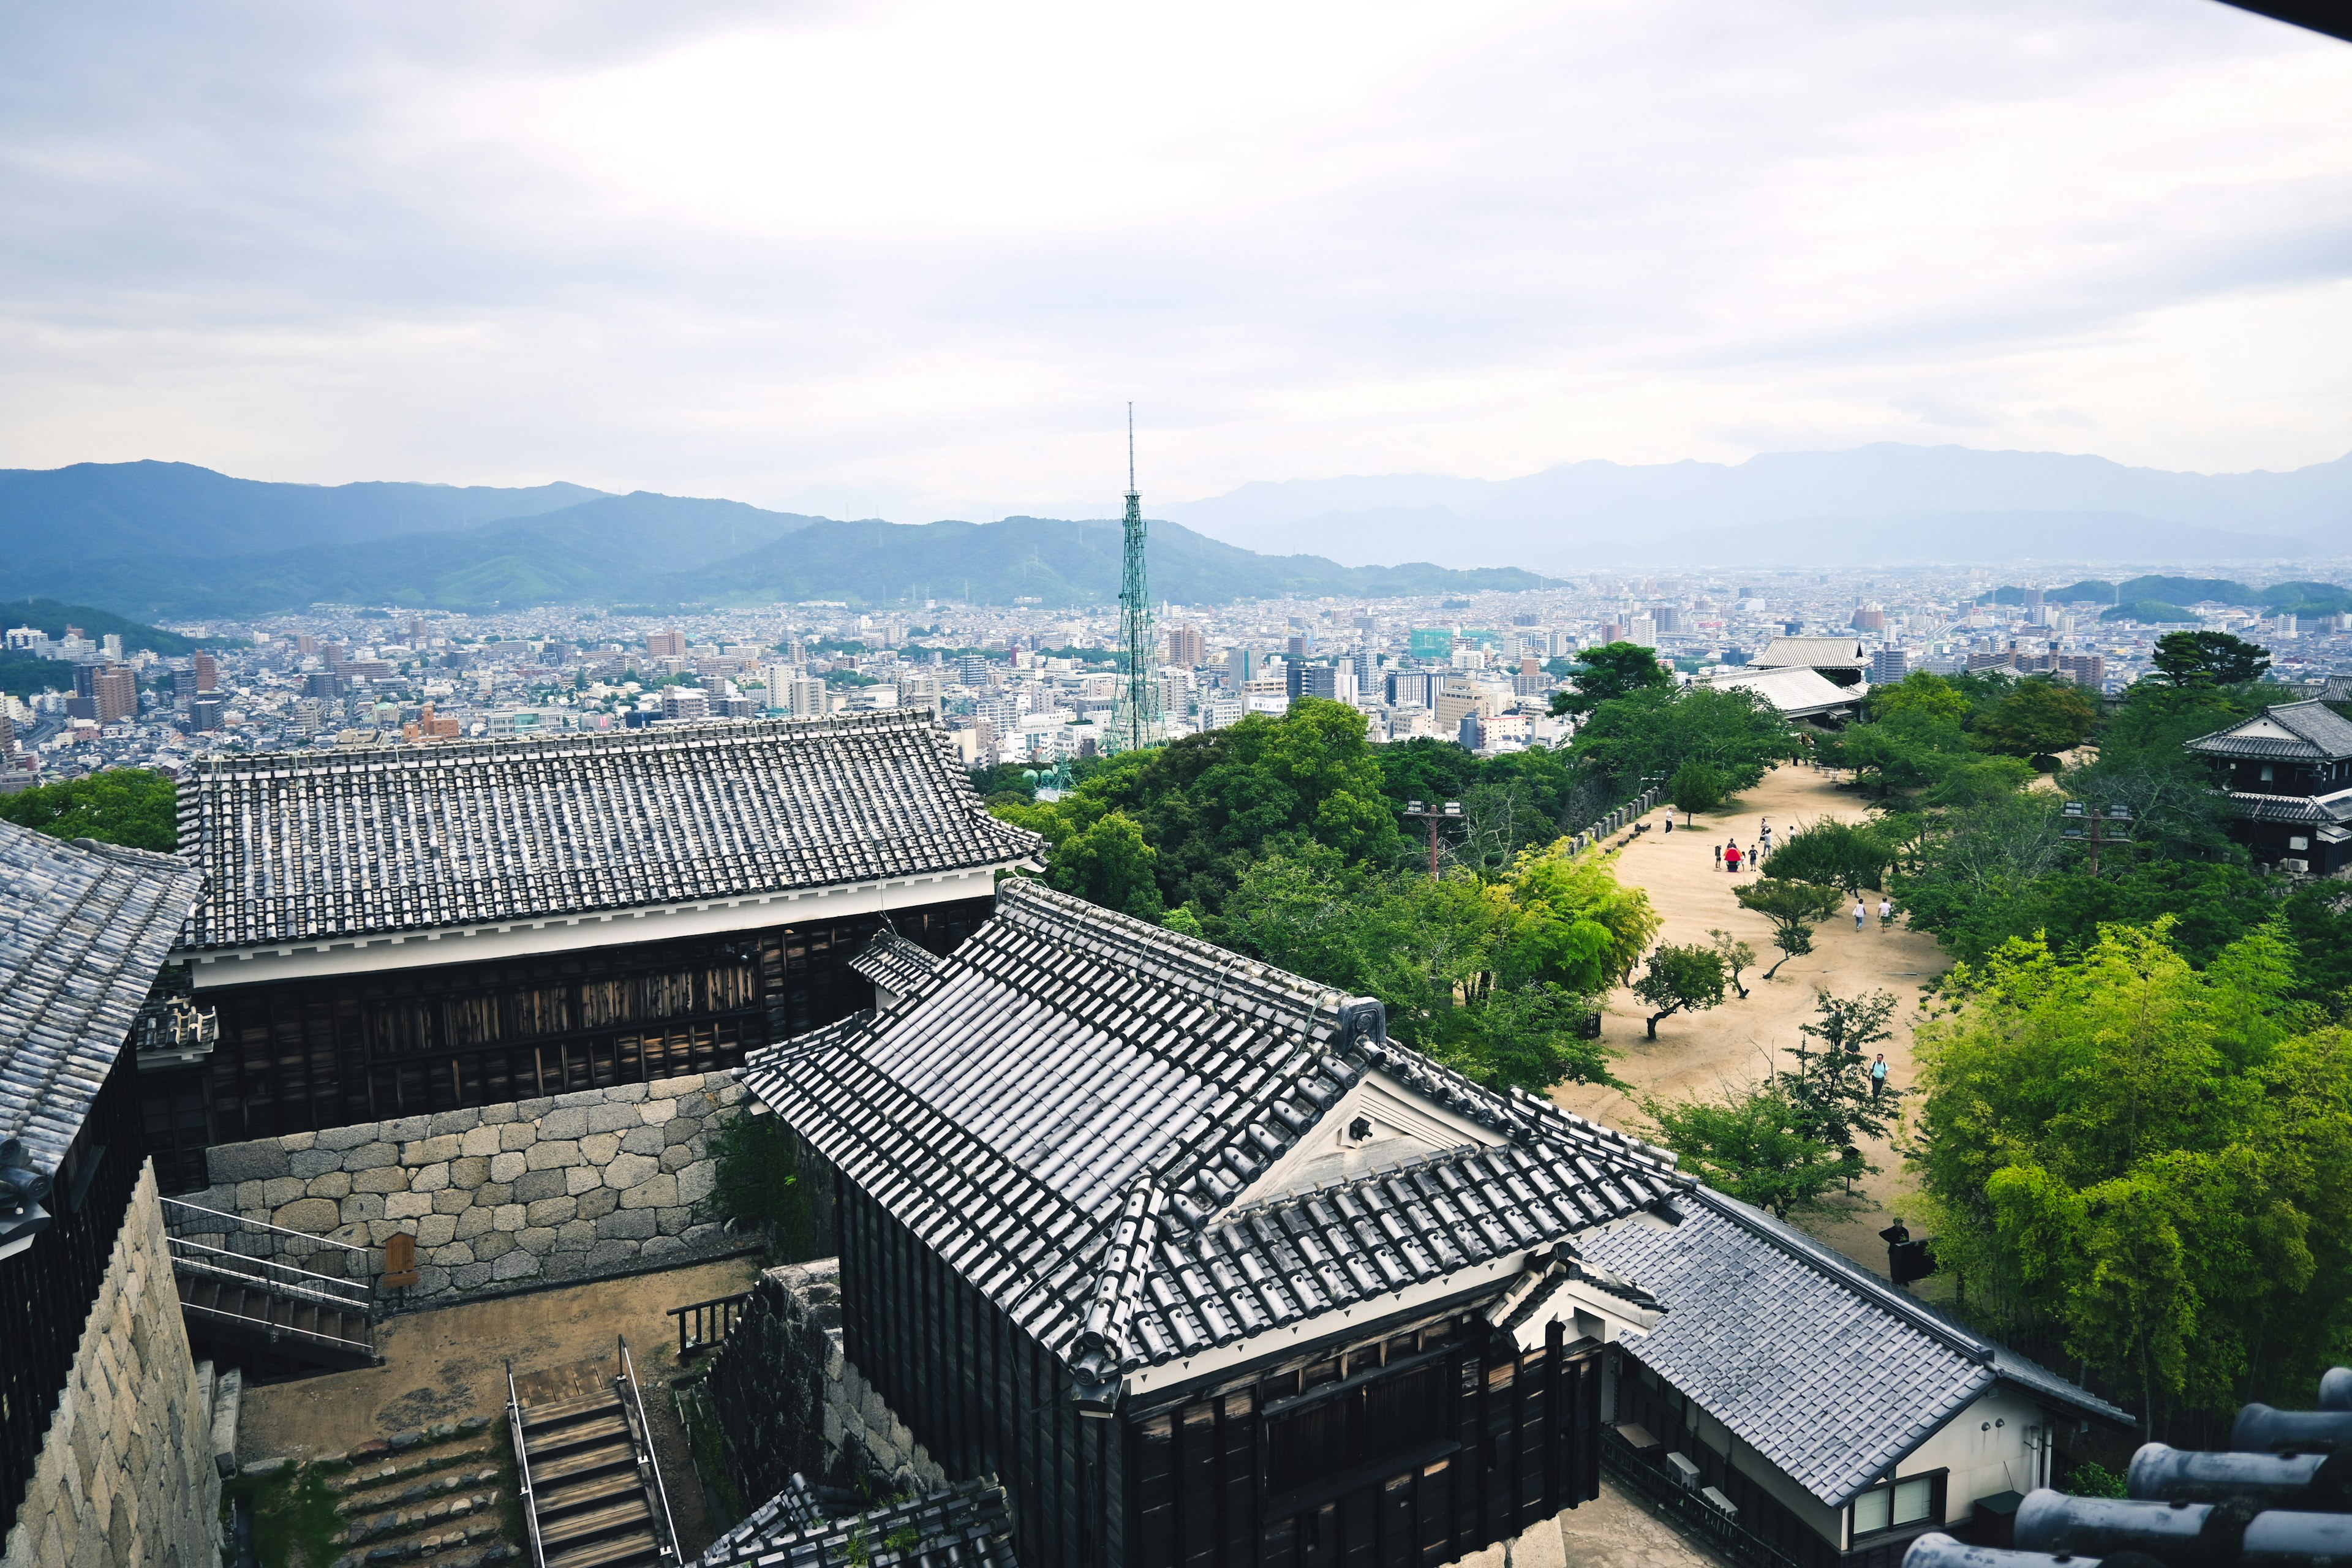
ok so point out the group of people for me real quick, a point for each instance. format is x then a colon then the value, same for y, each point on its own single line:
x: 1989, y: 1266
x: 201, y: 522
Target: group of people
x: 1729, y: 857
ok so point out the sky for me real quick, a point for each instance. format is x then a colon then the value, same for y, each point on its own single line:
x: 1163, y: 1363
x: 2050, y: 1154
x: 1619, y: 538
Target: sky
x: 914, y: 261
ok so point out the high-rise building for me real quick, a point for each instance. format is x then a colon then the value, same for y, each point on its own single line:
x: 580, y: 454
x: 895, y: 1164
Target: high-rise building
x: 1642, y: 629
x: 684, y: 702
x: 2083, y: 669
x: 806, y: 698
x: 206, y: 714
x: 7, y: 736
x: 1869, y: 618
x: 1889, y: 664
x: 1299, y: 648
x: 1186, y: 647
x: 207, y: 671
x: 304, y: 646
x: 323, y: 684
x: 665, y: 644
x: 112, y: 646
x: 104, y: 692
x: 1667, y: 619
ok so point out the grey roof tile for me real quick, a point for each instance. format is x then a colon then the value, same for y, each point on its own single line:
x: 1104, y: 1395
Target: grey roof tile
x: 84, y: 928
x: 2315, y: 732
x: 1068, y: 1107
x: 968, y: 1525
x: 301, y: 846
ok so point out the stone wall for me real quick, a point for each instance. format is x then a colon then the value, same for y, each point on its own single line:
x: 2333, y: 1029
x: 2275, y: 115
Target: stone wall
x: 790, y: 1401
x: 126, y: 1474
x: 574, y: 1186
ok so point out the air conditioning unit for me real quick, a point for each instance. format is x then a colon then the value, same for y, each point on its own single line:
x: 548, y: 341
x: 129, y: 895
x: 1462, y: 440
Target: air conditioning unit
x: 2300, y: 868
x: 1683, y: 1470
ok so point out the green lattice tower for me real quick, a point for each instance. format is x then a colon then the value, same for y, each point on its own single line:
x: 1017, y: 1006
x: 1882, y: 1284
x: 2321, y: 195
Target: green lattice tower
x: 1137, y: 723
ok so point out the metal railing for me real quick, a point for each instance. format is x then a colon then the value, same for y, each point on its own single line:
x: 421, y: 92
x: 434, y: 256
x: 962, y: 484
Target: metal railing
x: 209, y: 1244
x: 702, y: 1324
x: 666, y: 1531
x: 1688, y: 1509
x: 522, y: 1471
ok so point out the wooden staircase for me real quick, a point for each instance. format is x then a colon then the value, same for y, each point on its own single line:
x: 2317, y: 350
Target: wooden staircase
x: 304, y: 1300
x: 592, y: 1492
x: 257, y: 1313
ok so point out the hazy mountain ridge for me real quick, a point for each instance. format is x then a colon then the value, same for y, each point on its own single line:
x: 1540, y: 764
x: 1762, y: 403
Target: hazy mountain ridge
x: 1584, y: 513
x: 148, y: 541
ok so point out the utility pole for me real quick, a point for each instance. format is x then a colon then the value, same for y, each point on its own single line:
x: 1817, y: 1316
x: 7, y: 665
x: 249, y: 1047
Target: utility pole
x: 1137, y: 724
x: 1434, y: 813
x: 2112, y: 825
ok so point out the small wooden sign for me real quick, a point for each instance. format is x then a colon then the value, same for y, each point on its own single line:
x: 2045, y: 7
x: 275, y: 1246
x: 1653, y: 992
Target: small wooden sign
x: 400, y: 1262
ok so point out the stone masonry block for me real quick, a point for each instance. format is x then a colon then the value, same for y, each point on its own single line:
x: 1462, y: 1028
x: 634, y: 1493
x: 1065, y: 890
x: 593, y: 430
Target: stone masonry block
x: 654, y: 1112
x: 550, y: 1155
x: 457, y: 1121
x: 507, y: 1166
x: 563, y: 1124
x: 405, y: 1128
x: 579, y: 1100
x: 612, y: 1255
x: 432, y: 1150
x: 479, y: 1143
x: 407, y: 1205
x: 333, y: 1184
x: 516, y: 1265
x: 674, y: 1221
x: 381, y: 1179
x: 661, y: 1247
x: 469, y: 1276
x: 598, y: 1201
x: 508, y: 1216
x: 598, y: 1148
x: 539, y: 1240
x: 362, y: 1206
x: 578, y: 1179
x: 552, y: 1211
x: 493, y: 1244
x: 518, y: 1135
x: 672, y: 1087
x: 498, y: 1115
x: 430, y: 1178
x: 532, y: 1187
x: 532, y: 1110
x: 642, y: 1139
x: 255, y: 1162
x: 628, y: 1170
x: 576, y: 1235
x: 474, y: 1222
x: 633, y: 1225
x: 315, y: 1216
x: 452, y: 1200
x: 311, y: 1163
x: 684, y: 1129
x: 653, y: 1193
x: 490, y: 1195
x: 678, y: 1156
x: 343, y: 1139
x: 469, y: 1173
x: 611, y: 1117
x: 695, y: 1182
x: 370, y: 1157
x: 437, y: 1230
x: 282, y: 1190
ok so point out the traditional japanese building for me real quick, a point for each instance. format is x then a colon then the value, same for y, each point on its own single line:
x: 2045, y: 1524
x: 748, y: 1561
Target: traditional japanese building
x: 384, y: 933
x: 1198, y: 1263
x: 2288, y: 772
x: 103, y: 1449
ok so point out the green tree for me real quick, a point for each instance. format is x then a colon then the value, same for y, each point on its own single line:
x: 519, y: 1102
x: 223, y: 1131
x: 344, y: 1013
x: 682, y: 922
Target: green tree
x: 131, y: 806
x: 1831, y: 1087
x: 1834, y: 854
x: 2208, y: 658
x: 1795, y: 910
x: 1679, y: 980
x: 1920, y: 692
x: 1610, y: 671
x: 1651, y: 733
x: 1697, y: 786
x: 1737, y: 956
x: 2148, y: 1158
x: 1750, y: 1144
x: 1108, y: 863
x: 2039, y: 717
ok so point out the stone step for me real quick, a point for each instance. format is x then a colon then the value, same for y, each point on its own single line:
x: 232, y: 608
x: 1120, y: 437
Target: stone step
x: 418, y: 1489
x: 409, y: 1521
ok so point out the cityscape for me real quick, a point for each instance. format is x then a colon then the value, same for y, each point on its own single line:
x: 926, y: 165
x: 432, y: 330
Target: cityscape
x: 1049, y: 787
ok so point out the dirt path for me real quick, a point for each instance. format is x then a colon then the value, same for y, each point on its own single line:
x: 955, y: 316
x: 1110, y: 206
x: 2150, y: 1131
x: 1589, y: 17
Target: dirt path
x: 1699, y: 1055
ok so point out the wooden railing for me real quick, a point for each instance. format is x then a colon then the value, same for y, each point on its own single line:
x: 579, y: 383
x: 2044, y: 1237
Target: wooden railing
x: 705, y: 1323
x: 1688, y: 1509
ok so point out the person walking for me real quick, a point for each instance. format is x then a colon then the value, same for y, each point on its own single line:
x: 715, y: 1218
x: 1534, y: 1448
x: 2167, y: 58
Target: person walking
x: 1878, y: 1076
x: 1861, y: 913
x: 1886, y: 912
x: 1718, y: 857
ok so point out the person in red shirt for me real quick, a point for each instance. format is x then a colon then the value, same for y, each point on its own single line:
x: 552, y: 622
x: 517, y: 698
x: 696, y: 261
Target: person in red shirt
x: 1731, y: 858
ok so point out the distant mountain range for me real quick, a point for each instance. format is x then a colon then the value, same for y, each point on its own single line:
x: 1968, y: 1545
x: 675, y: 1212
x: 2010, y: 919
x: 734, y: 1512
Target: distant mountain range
x: 1884, y: 504
x: 173, y: 539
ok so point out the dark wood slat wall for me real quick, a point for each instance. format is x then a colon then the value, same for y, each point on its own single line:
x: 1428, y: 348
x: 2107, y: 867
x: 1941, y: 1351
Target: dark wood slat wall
x: 47, y: 1290
x: 1467, y: 1443
x: 982, y: 1396
x: 305, y: 1055
x: 1663, y: 1410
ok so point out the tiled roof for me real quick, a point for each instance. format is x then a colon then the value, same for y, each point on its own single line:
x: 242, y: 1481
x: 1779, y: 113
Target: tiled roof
x: 1844, y: 653
x: 2325, y: 811
x: 1827, y: 1370
x: 2315, y: 733
x: 893, y: 963
x: 1797, y: 691
x: 83, y: 931
x: 307, y: 846
x: 965, y: 1526
x: 1067, y: 1108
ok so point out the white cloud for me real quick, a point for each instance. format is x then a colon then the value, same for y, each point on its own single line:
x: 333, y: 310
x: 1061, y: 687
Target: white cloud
x: 922, y: 254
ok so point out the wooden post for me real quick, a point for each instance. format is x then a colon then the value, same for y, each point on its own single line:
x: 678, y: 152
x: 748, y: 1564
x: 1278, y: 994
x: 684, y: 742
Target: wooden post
x: 399, y: 1261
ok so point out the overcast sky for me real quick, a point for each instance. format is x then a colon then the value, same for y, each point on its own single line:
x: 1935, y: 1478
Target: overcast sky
x: 912, y: 260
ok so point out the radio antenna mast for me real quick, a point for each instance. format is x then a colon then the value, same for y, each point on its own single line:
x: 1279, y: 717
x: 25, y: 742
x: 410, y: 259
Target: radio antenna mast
x: 1137, y: 722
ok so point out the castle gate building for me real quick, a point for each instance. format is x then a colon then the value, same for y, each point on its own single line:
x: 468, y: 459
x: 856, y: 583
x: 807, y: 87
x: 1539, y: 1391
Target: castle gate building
x: 385, y: 932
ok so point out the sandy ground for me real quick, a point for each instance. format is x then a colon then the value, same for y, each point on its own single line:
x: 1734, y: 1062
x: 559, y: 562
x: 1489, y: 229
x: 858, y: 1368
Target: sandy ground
x: 451, y: 1362
x: 1613, y: 1531
x: 1699, y: 1055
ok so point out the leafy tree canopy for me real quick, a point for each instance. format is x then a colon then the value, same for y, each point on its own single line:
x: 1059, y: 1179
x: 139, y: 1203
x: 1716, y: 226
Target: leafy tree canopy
x: 1751, y: 1144
x: 2208, y: 658
x: 2038, y: 717
x: 133, y: 807
x: 2148, y: 1158
x: 1613, y: 670
x: 1652, y: 732
x: 1842, y: 854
